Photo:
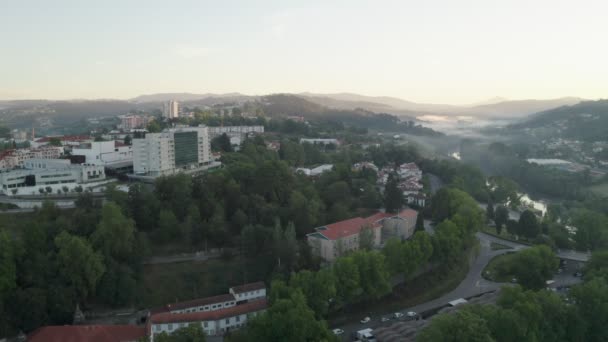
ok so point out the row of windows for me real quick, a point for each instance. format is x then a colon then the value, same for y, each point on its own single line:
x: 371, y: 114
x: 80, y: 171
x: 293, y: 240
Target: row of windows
x: 206, y: 308
x: 55, y: 176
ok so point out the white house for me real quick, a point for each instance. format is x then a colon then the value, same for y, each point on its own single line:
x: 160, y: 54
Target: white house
x: 215, y: 322
x: 216, y: 315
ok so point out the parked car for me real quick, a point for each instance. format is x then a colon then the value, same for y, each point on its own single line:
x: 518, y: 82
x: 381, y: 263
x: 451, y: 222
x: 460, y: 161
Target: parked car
x: 384, y: 319
x: 365, y: 320
x: 398, y: 315
x: 338, y: 331
x: 578, y: 274
x: 412, y: 314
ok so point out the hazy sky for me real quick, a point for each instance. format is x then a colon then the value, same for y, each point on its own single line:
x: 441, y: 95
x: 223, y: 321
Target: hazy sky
x: 426, y: 50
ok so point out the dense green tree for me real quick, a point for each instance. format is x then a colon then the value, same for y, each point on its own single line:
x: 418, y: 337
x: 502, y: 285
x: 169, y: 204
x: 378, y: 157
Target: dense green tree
x: 115, y: 234
x: 528, y: 225
x: 78, y: 264
x: 504, y: 190
x: 490, y: 211
x: 512, y: 227
x: 446, y: 243
x: 366, y: 237
x: 221, y: 143
x: 419, y: 223
x: 288, y: 319
x: 533, y: 266
x: 167, y: 226
x: 592, y: 302
x: 459, y: 326
x: 143, y: 207
x: 190, y: 333
x: 501, y: 216
x: 374, y: 277
x: 8, y: 271
x: 592, y: 229
x: 304, y: 212
x: 393, y: 197
x: 318, y: 288
x: 347, y: 279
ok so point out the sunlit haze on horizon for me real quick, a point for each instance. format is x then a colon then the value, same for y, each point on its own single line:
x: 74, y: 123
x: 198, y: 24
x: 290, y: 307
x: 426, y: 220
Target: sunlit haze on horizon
x: 425, y: 51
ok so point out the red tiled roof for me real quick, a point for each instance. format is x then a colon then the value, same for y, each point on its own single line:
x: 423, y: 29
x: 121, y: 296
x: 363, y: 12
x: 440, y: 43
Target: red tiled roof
x: 353, y: 226
x: 167, y: 317
x: 249, y: 287
x: 65, y: 138
x: 87, y: 333
x: 343, y: 228
x: 409, y: 213
x: 200, y: 302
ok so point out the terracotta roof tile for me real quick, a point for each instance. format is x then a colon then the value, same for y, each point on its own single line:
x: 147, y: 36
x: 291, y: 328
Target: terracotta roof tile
x: 249, y: 287
x: 167, y: 317
x: 87, y: 333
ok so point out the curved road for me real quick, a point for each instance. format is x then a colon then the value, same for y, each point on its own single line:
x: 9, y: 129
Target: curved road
x: 473, y: 284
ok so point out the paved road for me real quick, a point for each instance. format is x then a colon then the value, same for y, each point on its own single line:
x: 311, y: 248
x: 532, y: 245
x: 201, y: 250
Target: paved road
x: 562, y: 254
x: 472, y: 285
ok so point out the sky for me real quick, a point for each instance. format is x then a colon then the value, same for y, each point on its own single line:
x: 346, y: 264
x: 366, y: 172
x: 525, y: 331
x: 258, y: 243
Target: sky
x: 430, y: 51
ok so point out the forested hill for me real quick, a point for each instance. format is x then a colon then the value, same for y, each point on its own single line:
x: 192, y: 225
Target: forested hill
x: 283, y: 105
x: 586, y: 121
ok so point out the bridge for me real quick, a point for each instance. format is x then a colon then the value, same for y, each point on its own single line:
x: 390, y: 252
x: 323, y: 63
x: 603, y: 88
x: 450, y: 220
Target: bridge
x: 563, y: 254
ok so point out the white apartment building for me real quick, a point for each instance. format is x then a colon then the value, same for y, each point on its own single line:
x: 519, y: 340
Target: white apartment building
x: 316, y: 141
x: 216, y: 131
x: 15, y: 158
x: 54, y: 173
x: 172, y: 151
x: 105, y: 153
x: 133, y: 121
x: 171, y: 109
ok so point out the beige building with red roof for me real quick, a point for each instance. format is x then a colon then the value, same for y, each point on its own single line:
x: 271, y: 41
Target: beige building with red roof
x: 334, y: 240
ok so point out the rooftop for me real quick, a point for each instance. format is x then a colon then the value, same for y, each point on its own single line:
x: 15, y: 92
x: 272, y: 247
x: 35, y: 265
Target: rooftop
x: 353, y: 226
x: 87, y: 333
x: 249, y: 287
x: 197, y: 302
x: 167, y: 317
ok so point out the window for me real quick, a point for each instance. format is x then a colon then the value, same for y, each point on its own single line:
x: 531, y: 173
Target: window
x: 238, y: 318
x: 181, y: 325
x: 156, y: 327
x: 170, y: 326
x: 227, y: 320
x: 205, y: 324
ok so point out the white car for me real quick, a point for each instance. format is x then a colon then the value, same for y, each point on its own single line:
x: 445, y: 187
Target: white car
x: 412, y: 314
x: 398, y: 314
x: 338, y: 331
x: 384, y: 319
x: 365, y: 320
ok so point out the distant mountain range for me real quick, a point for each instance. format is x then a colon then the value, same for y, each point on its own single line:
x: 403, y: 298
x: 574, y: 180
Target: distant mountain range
x: 184, y: 97
x: 493, y: 108
x: 586, y: 121
x: 25, y: 112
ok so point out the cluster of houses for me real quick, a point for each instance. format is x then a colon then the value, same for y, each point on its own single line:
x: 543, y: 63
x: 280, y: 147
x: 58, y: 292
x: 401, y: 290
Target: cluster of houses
x: 409, y: 181
x: 216, y: 316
